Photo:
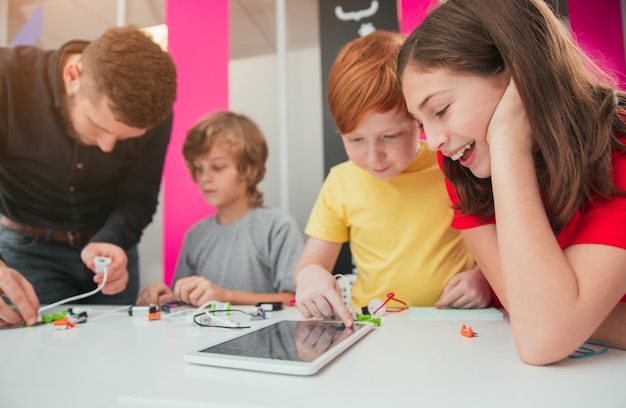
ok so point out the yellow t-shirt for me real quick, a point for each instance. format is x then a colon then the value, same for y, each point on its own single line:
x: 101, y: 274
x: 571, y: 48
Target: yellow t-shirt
x: 399, y: 230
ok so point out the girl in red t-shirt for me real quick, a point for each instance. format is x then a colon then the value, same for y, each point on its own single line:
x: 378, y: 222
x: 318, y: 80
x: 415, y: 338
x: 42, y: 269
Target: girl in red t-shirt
x: 531, y: 134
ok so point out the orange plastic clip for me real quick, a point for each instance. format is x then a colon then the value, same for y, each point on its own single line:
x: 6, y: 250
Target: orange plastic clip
x: 154, y: 316
x: 468, y: 332
x: 65, y: 323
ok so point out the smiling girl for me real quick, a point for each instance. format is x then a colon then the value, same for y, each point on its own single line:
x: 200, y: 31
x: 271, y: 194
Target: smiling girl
x: 531, y: 134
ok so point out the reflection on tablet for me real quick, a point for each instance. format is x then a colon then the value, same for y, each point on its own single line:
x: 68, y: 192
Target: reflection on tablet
x: 287, y: 340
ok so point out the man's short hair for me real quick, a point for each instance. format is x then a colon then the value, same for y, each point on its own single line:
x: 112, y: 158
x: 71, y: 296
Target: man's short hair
x: 125, y: 65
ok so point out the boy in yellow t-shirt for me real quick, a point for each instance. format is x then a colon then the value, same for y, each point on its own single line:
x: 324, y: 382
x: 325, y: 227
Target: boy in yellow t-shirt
x: 389, y: 200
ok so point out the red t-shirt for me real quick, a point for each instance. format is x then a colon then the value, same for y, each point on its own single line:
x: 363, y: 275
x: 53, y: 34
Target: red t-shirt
x: 603, y: 222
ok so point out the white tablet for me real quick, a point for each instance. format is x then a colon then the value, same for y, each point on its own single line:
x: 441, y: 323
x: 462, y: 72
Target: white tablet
x: 287, y: 347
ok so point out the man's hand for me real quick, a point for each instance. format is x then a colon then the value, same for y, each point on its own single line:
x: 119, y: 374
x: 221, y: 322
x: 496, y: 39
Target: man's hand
x: 117, y: 272
x: 21, y: 294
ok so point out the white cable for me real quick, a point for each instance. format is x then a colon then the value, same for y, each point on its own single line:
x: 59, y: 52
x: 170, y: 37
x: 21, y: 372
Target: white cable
x: 183, y: 310
x: 222, y: 321
x: 110, y: 312
x: 207, y: 304
x: 101, y: 265
x: 193, y: 311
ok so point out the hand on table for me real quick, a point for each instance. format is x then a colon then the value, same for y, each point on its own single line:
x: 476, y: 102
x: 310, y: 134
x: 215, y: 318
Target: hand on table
x: 21, y: 294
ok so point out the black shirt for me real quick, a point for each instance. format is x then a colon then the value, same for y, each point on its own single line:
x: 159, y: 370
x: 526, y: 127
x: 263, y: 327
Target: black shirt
x: 49, y: 180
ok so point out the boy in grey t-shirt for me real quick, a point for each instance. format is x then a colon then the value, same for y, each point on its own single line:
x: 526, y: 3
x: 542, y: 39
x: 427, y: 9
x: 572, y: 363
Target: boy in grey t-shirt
x: 245, y: 253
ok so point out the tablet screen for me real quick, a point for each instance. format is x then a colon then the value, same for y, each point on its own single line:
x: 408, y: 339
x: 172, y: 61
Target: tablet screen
x: 287, y: 340
x: 300, y: 347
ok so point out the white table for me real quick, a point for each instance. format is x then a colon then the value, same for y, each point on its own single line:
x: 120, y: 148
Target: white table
x: 115, y: 360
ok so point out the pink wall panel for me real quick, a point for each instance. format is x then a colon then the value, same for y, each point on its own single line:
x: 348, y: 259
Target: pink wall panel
x: 198, y: 41
x: 597, y: 27
x: 412, y: 12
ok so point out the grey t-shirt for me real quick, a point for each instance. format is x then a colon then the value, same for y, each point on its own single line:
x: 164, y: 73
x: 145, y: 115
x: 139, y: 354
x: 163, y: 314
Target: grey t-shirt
x: 256, y: 254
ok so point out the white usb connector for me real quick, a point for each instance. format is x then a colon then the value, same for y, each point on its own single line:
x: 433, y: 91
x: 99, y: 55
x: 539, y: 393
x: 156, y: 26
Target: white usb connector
x: 101, y: 263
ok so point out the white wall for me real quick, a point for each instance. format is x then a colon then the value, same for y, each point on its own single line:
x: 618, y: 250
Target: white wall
x: 253, y: 92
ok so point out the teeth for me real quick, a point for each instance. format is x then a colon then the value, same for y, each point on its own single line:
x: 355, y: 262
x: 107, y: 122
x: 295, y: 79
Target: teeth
x: 459, y: 154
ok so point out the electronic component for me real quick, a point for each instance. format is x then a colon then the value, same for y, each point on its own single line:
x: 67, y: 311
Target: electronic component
x: 143, y: 310
x: 101, y: 263
x: 270, y: 306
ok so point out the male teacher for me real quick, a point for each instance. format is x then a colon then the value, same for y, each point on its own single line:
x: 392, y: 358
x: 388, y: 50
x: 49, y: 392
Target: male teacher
x: 83, y: 135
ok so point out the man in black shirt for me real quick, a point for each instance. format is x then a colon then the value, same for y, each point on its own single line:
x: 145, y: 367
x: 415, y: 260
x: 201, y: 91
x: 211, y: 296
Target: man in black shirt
x: 83, y: 135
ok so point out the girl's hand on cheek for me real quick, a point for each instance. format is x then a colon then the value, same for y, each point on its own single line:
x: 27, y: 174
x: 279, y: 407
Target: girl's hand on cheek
x: 509, y: 126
